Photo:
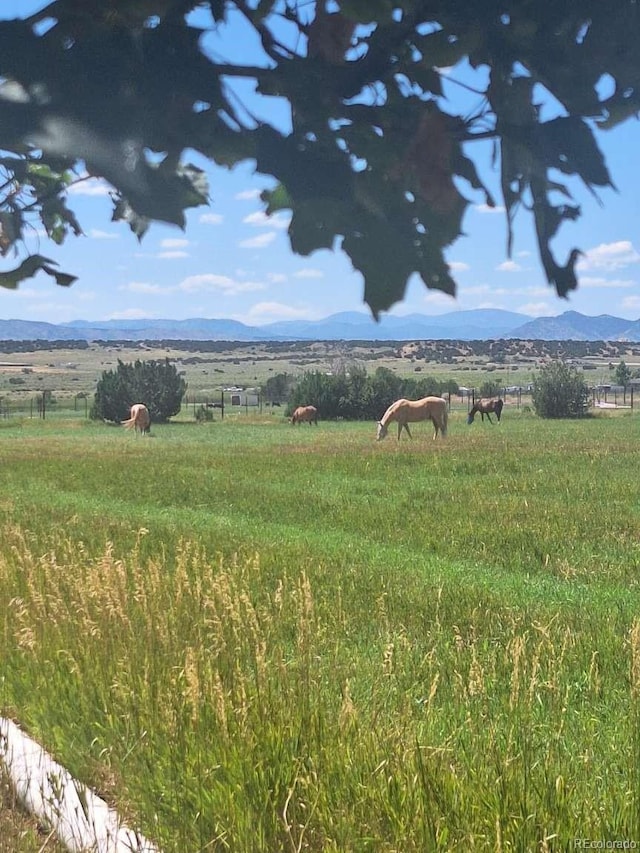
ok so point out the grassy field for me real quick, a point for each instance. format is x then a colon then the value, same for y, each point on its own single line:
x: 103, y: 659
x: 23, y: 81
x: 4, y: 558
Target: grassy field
x: 250, y: 636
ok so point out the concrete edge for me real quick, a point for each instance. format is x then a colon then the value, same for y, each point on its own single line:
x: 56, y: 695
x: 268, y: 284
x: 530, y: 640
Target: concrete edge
x: 81, y: 820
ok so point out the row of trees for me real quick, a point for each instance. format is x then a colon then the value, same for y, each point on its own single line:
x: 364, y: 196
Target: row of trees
x: 355, y: 395
x: 559, y: 391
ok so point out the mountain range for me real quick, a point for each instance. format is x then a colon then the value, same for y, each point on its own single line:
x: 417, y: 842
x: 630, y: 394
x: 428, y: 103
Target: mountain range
x: 478, y: 324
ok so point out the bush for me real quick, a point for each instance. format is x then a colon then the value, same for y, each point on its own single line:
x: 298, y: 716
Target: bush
x: 490, y: 389
x: 357, y: 396
x: 157, y: 384
x: 560, y: 391
x: 203, y: 414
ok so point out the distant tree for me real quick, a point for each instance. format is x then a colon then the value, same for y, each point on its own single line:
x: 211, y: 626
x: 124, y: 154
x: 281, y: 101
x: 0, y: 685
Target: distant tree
x: 386, y: 388
x: 489, y: 389
x: 372, y: 155
x: 623, y: 374
x: 278, y: 388
x: 157, y: 384
x: 323, y: 391
x: 358, y: 396
x: 560, y: 391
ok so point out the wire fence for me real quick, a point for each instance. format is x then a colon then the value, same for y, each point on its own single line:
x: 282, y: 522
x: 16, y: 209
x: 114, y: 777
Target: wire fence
x: 242, y: 401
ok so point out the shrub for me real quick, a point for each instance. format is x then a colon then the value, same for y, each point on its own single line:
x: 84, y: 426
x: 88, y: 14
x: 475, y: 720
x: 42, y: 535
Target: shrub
x: 490, y: 389
x: 357, y: 396
x: 560, y: 391
x: 157, y: 384
x: 203, y: 414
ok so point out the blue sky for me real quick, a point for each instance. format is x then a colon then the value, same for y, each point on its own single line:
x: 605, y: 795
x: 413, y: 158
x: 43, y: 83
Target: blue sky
x: 233, y: 262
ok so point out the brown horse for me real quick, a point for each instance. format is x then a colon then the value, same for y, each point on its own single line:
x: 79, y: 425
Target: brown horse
x: 485, y: 406
x: 405, y: 412
x: 305, y: 414
x: 139, y: 420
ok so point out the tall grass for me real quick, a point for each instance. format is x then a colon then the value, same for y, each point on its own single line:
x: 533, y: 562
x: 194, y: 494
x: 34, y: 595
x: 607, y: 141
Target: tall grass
x: 252, y: 637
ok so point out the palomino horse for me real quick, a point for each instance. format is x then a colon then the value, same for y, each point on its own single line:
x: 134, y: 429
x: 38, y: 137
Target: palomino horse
x: 406, y: 412
x: 305, y: 414
x: 139, y: 420
x: 485, y: 406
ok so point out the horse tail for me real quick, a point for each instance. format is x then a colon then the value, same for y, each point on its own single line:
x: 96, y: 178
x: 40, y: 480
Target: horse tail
x: 445, y: 420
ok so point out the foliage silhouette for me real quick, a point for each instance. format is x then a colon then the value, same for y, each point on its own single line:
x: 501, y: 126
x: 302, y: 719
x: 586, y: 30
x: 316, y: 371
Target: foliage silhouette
x: 375, y: 158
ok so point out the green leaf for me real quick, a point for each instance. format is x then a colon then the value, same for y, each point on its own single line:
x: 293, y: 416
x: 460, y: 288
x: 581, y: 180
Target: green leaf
x: 276, y: 199
x: 568, y: 144
x: 379, y: 253
x: 122, y: 211
x: 315, y: 224
x: 365, y: 11
x: 62, y: 278
x: 29, y: 267
x: 196, y: 185
x: 426, y: 77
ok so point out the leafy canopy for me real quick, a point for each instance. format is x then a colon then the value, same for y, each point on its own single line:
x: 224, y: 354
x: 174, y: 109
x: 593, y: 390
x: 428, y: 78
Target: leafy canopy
x: 375, y: 159
x: 157, y: 384
x: 560, y: 391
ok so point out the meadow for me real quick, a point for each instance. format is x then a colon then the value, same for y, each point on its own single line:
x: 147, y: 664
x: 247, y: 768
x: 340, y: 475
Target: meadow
x: 249, y: 636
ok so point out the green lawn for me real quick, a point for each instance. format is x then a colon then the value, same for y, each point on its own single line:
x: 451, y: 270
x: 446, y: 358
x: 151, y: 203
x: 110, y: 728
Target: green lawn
x: 257, y: 637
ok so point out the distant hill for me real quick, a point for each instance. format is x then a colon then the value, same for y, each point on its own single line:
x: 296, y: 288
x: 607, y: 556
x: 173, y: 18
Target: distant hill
x: 572, y: 326
x: 480, y: 324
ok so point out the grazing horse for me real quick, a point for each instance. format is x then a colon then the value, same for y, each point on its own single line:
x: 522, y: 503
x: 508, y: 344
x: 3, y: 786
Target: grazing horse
x: 406, y: 412
x: 139, y: 420
x: 485, y: 406
x: 305, y: 414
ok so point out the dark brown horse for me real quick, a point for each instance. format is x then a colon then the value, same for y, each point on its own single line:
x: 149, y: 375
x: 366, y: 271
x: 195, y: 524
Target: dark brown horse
x: 485, y: 406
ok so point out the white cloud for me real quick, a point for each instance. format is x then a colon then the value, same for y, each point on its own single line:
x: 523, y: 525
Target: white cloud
x: 439, y: 299
x: 259, y: 242
x: 276, y: 277
x: 259, y: 219
x: 130, y: 314
x: 211, y: 218
x: 487, y: 303
x: 509, y: 266
x: 247, y: 195
x: 269, y: 312
x: 535, y: 309
x: 174, y: 243
x: 609, y: 256
x: 308, y: 272
x: 458, y: 266
x: 173, y: 254
x: 212, y: 283
x: 631, y: 303
x: 492, y: 291
x: 144, y: 287
x: 90, y: 186
x: 96, y: 234
x: 479, y: 289
x: 592, y: 281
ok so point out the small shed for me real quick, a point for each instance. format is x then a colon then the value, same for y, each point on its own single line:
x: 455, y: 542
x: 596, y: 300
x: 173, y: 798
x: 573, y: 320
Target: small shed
x: 237, y: 396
